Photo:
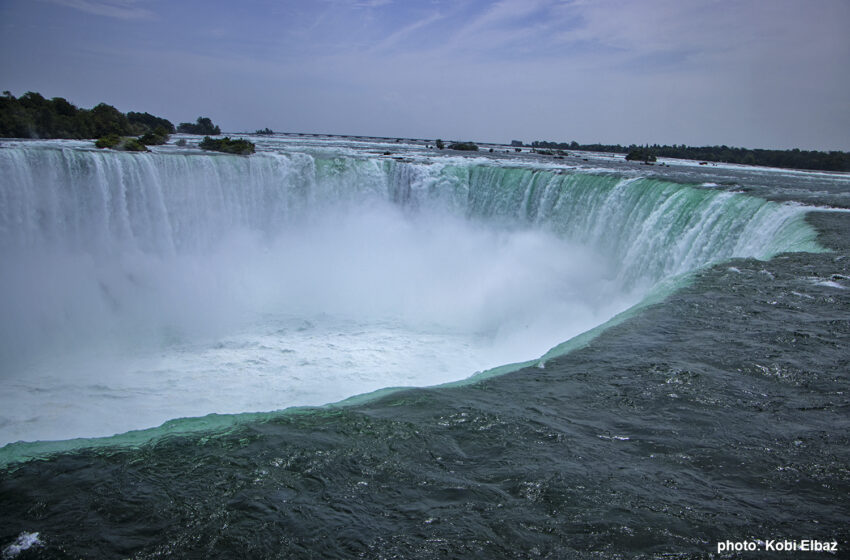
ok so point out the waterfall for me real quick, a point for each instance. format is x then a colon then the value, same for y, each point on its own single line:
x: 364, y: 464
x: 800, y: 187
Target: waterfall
x: 176, y: 283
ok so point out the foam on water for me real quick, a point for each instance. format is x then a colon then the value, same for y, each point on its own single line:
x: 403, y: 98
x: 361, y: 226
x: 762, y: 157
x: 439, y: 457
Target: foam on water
x: 25, y: 541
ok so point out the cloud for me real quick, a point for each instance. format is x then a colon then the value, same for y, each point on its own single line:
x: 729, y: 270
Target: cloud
x: 373, y: 3
x: 118, y: 9
x: 403, y: 33
x: 504, y: 23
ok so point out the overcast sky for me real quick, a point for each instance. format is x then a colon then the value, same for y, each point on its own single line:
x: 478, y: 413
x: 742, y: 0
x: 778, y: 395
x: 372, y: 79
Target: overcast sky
x: 767, y: 73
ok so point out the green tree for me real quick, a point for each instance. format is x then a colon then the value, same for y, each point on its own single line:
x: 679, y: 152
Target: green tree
x: 106, y: 119
x: 203, y: 125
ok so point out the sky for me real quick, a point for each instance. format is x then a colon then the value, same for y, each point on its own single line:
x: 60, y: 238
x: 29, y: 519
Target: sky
x: 758, y: 74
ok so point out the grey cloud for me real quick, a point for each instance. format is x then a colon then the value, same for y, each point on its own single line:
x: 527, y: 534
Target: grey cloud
x: 120, y: 9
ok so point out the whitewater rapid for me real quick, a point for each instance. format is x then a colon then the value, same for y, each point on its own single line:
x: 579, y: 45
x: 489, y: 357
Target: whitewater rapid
x: 139, y: 288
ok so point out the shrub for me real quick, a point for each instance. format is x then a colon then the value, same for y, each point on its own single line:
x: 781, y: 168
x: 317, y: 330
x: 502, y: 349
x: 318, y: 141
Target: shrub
x: 465, y: 146
x: 108, y: 141
x: 641, y: 154
x: 133, y: 145
x: 116, y: 142
x: 226, y: 145
x: 155, y: 138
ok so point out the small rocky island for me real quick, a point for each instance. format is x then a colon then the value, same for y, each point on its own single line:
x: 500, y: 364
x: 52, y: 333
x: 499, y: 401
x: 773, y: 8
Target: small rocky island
x: 641, y: 154
x: 227, y: 145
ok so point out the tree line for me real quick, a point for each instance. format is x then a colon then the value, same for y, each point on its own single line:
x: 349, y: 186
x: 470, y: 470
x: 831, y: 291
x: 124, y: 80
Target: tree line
x: 33, y: 116
x: 789, y: 159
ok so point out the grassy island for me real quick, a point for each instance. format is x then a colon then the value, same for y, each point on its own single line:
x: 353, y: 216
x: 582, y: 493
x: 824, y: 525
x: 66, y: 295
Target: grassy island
x: 157, y: 137
x: 464, y: 146
x: 235, y: 146
x: 124, y: 144
x: 641, y: 154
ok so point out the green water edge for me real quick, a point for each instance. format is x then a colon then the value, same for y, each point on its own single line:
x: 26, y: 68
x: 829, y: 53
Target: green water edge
x: 216, y: 425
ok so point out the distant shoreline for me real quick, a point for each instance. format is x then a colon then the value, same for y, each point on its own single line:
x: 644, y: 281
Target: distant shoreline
x: 804, y: 160
x: 33, y: 116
